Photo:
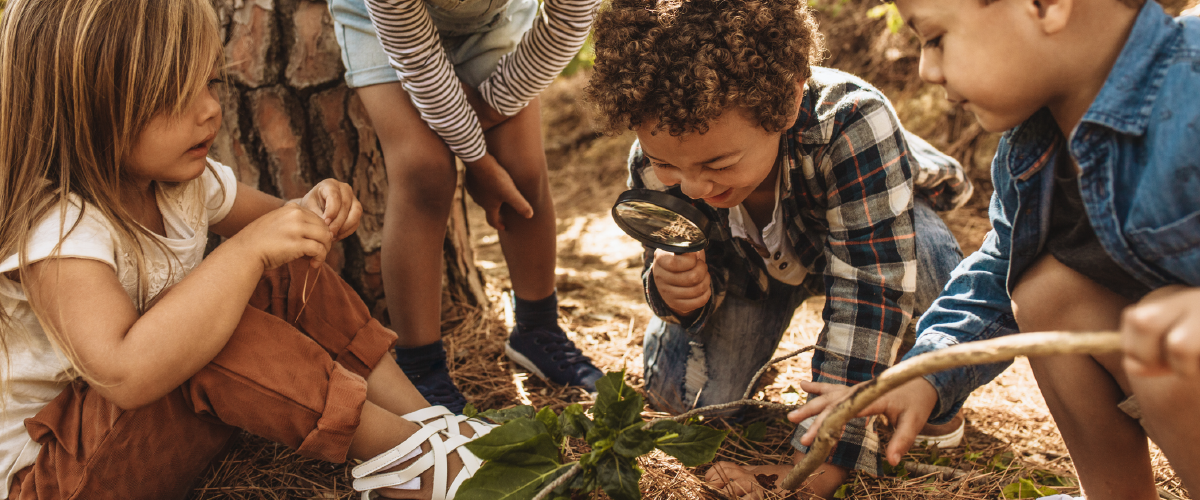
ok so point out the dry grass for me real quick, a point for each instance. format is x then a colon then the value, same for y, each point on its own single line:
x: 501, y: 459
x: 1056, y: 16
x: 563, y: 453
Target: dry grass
x: 601, y: 304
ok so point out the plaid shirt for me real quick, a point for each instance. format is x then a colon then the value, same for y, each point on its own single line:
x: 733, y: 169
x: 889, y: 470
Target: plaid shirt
x: 847, y: 199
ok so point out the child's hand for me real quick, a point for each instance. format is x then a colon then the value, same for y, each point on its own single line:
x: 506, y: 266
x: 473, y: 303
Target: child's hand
x: 907, y: 406
x: 1162, y: 333
x: 491, y: 187
x: 286, y: 234
x: 682, y: 280
x: 335, y: 202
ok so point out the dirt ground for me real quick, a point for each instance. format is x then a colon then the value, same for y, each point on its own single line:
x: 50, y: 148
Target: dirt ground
x: 1009, y: 434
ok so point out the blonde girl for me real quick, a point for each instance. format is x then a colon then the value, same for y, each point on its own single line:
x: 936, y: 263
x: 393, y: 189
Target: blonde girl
x: 128, y: 361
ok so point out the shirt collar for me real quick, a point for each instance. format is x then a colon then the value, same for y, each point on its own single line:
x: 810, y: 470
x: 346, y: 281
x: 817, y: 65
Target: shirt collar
x: 1126, y: 101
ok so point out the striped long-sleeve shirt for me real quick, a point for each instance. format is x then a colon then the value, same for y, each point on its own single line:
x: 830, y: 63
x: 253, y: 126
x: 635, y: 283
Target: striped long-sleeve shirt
x: 414, y: 49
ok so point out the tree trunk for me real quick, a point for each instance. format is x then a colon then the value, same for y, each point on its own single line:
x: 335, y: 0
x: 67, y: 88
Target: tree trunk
x: 290, y: 121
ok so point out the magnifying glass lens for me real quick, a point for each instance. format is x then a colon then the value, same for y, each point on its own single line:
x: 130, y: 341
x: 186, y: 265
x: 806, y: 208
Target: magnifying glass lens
x: 659, y: 224
x: 661, y: 220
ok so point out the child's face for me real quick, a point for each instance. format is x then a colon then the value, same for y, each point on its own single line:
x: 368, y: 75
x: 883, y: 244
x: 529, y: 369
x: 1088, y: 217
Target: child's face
x: 989, y: 58
x: 175, y: 148
x: 721, y: 166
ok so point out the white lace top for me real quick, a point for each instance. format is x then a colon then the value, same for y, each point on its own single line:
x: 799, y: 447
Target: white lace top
x: 35, y: 370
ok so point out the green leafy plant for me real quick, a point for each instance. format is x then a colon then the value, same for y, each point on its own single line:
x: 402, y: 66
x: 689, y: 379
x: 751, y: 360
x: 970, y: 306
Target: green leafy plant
x: 1025, y: 488
x: 524, y: 454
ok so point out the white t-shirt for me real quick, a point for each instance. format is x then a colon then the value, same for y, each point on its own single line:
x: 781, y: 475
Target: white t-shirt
x: 36, y: 370
x: 772, y: 243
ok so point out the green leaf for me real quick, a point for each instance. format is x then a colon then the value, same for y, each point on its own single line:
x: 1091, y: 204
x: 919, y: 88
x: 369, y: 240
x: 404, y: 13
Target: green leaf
x: 574, y: 422
x: 519, y: 441
x: 502, y: 416
x: 634, y: 441
x: 619, y: 477
x: 622, y: 414
x: 550, y: 420
x: 501, y: 481
x: 1001, y: 462
x: 470, y: 411
x: 843, y: 491
x: 691, y: 444
x: 755, y: 432
x: 610, y: 389
x: 1025, y: 488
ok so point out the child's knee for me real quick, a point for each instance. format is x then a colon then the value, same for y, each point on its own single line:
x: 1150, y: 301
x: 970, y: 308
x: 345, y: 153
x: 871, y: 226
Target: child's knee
x: 1051, y: 296
x: 426, y: 181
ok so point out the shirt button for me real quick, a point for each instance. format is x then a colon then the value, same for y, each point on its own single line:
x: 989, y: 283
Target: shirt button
x: 783, y: 266
x: 778, y: 255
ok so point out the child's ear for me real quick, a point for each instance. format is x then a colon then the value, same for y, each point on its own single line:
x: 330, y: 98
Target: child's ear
x: 799, y: 100
x: 1051, y: 15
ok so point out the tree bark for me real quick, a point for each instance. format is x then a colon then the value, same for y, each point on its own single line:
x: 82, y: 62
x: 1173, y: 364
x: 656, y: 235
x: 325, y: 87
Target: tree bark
x: 290, y: 121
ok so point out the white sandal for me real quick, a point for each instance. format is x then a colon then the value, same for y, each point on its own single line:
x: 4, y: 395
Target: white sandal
x: 436, y: 423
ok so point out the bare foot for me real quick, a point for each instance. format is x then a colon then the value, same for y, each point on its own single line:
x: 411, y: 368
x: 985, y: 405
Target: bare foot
x: 453, y: 462
x: 753, y: 482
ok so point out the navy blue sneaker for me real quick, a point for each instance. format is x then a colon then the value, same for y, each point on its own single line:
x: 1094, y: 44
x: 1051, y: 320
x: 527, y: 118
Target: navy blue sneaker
x: 547, y: 353
x: 425, y: 367
x: 438, y: 389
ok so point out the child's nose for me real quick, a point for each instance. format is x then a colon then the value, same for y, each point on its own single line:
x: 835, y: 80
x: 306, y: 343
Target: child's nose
x: 695, y: 188
x: 209, y: 104
x: 930, y: 68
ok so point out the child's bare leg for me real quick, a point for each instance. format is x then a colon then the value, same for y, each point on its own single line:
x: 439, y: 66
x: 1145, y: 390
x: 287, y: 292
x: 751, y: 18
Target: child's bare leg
x: 389, y: 389
x: 1108, y: 447
x: 421, y: 183
x: 529, y: 245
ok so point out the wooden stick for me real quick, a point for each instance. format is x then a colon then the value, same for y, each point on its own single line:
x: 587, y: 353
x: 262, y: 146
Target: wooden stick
x: 971, y: 353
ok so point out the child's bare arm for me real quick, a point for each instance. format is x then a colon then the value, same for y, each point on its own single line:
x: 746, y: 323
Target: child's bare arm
x: 133, y: 360
x: 908, y: 406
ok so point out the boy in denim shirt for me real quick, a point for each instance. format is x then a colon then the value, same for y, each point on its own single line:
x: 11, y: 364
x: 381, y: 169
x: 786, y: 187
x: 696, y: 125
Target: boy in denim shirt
x: 813, y: 187
x: 1096, y: 225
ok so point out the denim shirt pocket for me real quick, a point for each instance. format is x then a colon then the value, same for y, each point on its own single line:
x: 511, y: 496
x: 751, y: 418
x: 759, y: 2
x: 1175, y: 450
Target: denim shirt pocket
x: 1174, y: 248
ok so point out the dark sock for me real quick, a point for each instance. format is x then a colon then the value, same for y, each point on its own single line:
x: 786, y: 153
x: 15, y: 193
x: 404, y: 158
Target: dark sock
x: 419, y: 360
x: 535, y: 314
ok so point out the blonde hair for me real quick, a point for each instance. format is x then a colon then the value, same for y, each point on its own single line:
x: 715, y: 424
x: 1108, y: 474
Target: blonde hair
x: 79, y: 81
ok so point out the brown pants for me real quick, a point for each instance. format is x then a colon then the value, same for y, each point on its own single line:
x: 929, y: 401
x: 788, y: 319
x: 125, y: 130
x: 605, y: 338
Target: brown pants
x: 299, y: 383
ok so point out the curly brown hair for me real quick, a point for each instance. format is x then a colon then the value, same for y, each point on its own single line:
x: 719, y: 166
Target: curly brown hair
x: 682, y: 63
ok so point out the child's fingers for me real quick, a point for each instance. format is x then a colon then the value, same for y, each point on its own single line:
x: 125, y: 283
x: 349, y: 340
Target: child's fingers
x: 676, y: 263
x: 492, y: 215
x: 1143, y: 331
x: 353, y: 217
x: 908, y: 425
x: 1183, y: 349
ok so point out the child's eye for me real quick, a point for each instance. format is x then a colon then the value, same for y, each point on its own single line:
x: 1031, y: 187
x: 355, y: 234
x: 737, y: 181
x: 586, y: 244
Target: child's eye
x: 656, y: 164
x: 215, y: 81
x: 934, y: 42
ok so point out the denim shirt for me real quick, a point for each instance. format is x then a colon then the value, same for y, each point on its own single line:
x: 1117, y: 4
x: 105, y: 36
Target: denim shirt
x: 1138, y: 147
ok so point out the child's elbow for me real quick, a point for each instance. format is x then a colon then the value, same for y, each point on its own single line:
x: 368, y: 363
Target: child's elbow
x: 126, y: 395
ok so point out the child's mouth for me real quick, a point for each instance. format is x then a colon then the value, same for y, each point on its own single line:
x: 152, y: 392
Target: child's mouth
x: 202, y: 147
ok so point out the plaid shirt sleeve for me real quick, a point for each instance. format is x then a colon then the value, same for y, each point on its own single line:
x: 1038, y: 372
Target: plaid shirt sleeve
x: 870, y: 274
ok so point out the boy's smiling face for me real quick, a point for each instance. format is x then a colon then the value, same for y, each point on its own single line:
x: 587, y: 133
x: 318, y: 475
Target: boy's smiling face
x: 722, y: 166
x: 989, y: 58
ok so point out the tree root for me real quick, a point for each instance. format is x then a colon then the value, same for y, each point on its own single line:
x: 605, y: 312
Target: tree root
x: 971, y: 353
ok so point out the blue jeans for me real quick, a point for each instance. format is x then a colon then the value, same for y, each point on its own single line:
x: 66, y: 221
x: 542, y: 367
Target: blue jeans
x: 684, y: 371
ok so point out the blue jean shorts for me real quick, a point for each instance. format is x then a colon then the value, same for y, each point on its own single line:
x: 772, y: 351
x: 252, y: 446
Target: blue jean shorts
x: 475, y: 34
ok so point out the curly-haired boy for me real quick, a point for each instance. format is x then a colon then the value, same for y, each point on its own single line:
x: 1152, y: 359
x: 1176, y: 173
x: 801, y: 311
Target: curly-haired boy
x: 815, y: 187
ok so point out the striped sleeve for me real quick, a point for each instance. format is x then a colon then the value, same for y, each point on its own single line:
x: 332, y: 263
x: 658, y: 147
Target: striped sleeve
x: 414, y: 49
x: 544, y: 51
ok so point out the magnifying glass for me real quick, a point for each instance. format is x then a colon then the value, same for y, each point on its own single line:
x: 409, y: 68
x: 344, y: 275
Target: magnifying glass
x: 661, y: 220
